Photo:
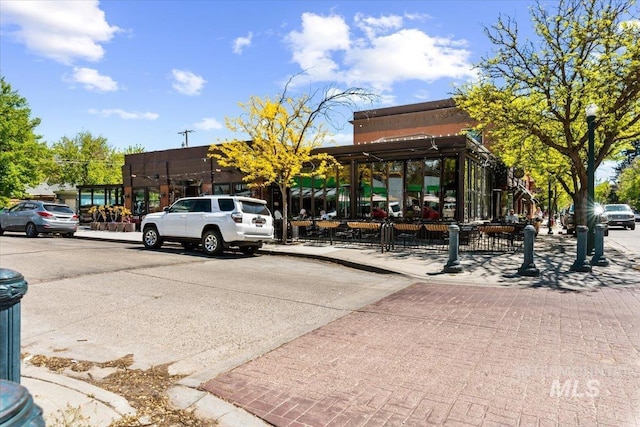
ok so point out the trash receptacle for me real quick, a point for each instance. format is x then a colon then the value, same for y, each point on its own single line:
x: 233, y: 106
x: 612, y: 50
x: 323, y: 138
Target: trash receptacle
x: 17, y: 408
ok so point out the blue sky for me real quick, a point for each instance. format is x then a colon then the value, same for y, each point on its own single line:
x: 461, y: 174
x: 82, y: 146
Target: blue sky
x: 139, y: 72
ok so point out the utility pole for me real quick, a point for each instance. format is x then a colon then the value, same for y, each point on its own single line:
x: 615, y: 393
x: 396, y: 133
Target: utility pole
x: 185, y: 132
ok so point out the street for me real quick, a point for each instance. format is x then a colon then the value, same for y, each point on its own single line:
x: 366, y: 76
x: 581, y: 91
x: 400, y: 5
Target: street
x: 293, y: 340
x: 624, y: 238
x: 99, y: 301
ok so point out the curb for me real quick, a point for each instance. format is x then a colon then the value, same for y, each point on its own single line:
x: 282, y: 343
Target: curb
x: 92, y: 403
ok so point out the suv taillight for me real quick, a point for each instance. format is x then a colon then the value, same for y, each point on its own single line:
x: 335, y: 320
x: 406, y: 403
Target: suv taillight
x: 236, y: 217
x: 45, y: 214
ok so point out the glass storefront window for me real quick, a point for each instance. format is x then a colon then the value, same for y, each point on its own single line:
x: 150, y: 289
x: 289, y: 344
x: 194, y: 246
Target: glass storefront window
x: 396, y: 195
x: 343, y: 208
x: 363, y: 191
x: 380, y: 190
x: 112, y: 197
x: 413, y: 189
x: 431, y: 201
x: 450, y: 185
x: 222, y: 189
x: 99, y: 198
x: 154, y: 200
x: 241, y: 189
x: 138, y: 203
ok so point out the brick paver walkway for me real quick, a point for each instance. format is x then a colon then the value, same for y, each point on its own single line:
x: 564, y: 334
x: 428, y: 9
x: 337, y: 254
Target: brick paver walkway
x: 456, y: 355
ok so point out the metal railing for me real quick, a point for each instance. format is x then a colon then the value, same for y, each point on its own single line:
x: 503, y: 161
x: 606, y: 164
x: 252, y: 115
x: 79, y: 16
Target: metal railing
x: 392, y: 235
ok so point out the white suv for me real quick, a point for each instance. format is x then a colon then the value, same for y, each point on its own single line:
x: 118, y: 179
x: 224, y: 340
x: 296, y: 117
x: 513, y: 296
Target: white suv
x: 216, y: 222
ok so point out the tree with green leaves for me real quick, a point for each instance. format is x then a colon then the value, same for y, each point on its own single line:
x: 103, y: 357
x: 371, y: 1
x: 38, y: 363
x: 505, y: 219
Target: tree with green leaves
x: 282, y: 134
x: 628, y: 190
x: 86, y: 160
x: 20, y: 148
x: 531, y: 96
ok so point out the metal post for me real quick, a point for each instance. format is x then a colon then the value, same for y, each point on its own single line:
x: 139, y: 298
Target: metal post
x: 453, y: 265
x: 598, y: 253
x: 550, y: 210
x: 17, y: 407
x: 528, y: 267
x: 591, y: 219
x: 581, y: 263
x: 12, y: 289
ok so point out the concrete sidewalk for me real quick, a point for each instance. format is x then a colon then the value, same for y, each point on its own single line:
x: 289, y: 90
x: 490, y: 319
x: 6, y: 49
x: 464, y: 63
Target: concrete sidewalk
x: 439, y: 352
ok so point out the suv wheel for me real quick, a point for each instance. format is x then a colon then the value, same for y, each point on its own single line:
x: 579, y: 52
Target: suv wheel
x: 212, y: 242
x: 249, y: 250
x: 151, y: 238
x: 31, y: 230
x: 633, y: 226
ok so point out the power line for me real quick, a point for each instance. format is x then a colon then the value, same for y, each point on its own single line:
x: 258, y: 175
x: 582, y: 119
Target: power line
x: 186, y: 132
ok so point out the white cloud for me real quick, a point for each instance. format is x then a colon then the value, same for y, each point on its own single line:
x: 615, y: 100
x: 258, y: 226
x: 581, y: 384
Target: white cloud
x: 241, y: 42
x: 64, y: 31
x: 208, y: 123
x: 340, y: 139
x: 376, y: 52
x: 125, y: 115
x: 313, y: 46
x: 187, y: 83
x: 372, y: 26
x: 92, y: 80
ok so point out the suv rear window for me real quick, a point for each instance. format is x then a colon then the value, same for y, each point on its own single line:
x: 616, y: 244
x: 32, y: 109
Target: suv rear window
x: 255, y: 208
x: 226, y: 205
x: 58, y: 208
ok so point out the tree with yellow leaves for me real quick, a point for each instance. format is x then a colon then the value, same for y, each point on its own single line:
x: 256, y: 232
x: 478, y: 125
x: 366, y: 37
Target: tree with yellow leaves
x: 532, y: 94
x: 283, y: 133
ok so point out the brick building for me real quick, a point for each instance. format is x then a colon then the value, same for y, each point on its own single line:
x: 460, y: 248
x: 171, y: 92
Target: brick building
x: 418, y: 161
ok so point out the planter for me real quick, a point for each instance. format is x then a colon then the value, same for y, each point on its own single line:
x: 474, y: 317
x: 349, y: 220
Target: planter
x: 120, y: 226
x: 129, y: 226
x: 94, y: 225
x: 102, y: 226
x: 111, y: 226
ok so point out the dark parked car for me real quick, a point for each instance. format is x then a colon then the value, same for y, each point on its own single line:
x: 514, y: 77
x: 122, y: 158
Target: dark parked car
x: 602, y: 218
x: 34, y: 217
x: 637, y: 215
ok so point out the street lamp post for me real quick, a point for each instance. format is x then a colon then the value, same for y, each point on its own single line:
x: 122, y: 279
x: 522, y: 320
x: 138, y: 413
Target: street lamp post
x: 591, y: 111
x: 550, y: 209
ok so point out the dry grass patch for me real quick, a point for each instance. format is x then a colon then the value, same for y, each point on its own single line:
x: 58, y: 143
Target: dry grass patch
x: 146, y: 391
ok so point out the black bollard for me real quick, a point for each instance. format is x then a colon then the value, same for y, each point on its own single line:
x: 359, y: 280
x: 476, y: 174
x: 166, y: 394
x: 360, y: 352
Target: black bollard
x: 528, y: 267
x: 598, y: 249
x: 17, y: 408
x: 581, y: 264
x: 16, y: 404
x: 12, y: 289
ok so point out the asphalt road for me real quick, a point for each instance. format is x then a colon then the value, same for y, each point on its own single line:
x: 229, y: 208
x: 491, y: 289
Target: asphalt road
x: 629, y: 240
x: 99, y: 301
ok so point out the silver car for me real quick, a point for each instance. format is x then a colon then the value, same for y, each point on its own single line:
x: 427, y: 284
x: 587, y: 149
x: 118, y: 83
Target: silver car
x: 621, y: 215
x: 34, y: 217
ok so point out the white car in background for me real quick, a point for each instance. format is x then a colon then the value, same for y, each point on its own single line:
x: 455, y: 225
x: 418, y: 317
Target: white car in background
x: 620, y: 215
x: 395, y: 210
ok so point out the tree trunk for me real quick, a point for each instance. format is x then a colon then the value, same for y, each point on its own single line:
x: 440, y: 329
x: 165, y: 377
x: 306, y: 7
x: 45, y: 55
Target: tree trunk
x: 285, y: 214
x: 580, y: 208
